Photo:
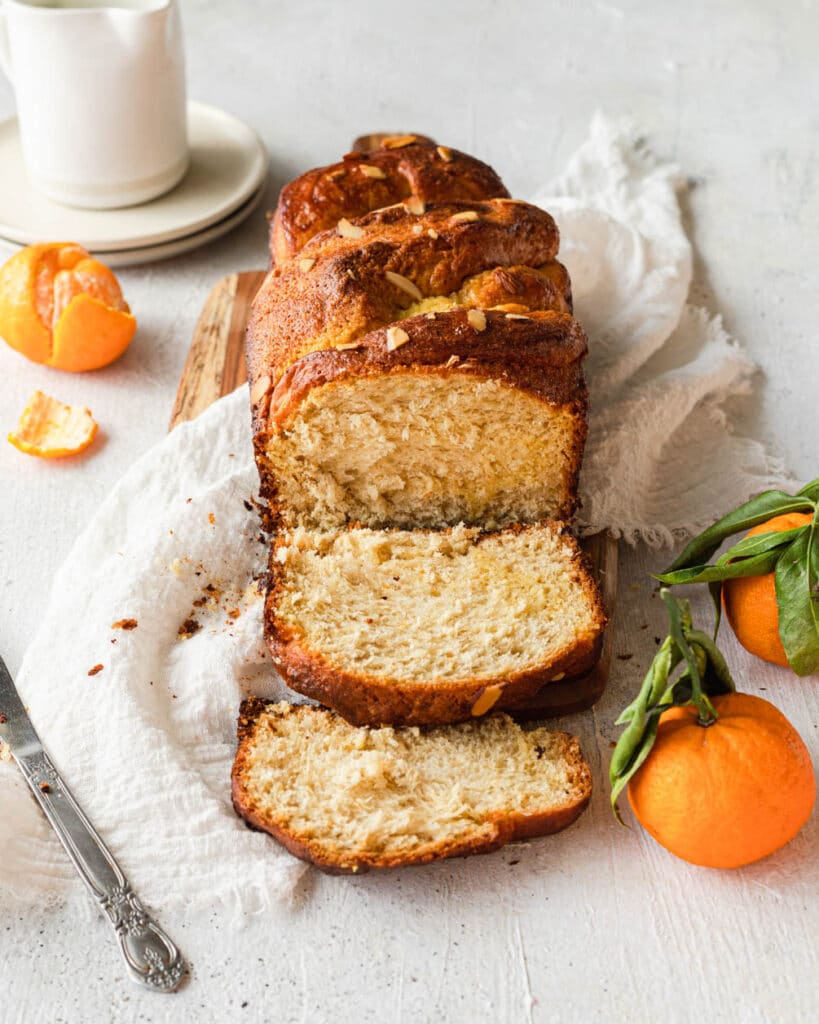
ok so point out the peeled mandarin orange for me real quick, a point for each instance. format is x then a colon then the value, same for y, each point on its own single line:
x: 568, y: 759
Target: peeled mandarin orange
x: 726, y: 794
x: 52, y: 430
x: 61, y: 307
x: 750, y: 601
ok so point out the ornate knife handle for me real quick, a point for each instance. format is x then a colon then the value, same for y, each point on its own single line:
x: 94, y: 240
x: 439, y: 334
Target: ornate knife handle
x: 151, y: 957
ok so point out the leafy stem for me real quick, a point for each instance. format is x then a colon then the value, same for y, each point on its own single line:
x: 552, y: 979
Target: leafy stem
x: 704, y: 674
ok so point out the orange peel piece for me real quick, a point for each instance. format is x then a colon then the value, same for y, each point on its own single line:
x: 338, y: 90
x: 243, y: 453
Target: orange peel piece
x: 50, y: 429
x: 61, y: 307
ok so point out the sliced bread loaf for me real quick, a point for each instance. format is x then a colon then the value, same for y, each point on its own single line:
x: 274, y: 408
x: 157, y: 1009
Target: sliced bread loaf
x: 349, y: 799
x: 428, y: 627
x: 475, y: 418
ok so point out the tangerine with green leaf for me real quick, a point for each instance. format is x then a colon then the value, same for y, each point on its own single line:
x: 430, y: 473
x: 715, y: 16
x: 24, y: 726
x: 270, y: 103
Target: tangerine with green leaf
x: 750, y: 601
x: 726, y: 794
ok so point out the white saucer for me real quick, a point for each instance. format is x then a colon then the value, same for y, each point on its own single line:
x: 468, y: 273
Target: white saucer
x: 228, y: 168
x: 163, y: 250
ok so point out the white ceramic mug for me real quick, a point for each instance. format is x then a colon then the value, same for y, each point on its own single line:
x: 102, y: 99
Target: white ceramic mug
x: 100, y: 90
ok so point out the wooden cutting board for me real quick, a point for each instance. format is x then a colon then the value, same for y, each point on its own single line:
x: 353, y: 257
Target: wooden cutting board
x: 216, y: 366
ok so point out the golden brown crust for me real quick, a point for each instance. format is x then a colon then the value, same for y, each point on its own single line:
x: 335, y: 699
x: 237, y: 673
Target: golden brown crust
x: 339, y: 288
x: 363, y: 699
x: 541, y: 354
x: 317, y: 200
x: 503, y: 827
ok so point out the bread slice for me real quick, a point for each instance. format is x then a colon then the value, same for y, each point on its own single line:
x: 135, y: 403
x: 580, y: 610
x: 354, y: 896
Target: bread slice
x: 457, y: 424
x: 424, y: 627
x: 349, y: 799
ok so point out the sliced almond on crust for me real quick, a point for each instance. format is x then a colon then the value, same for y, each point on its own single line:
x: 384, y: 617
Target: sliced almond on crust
x: 445, y: 153
x: 396, y: 337
x: 306, y: 264
x: 417, y: 229
x: 404, y: 284
x: 452, y: 361
x: 487, y: 700
x: 415, y: 205
x: 260, y: 389
x: 517, y: 316
x: 371, y: 171
x: 332, y: 175
x: 348, y: 230
x: 466, y: 215
x: 397, y: 141
x: 477, y: 319
x: 432, y: 233
x: 346, y: 347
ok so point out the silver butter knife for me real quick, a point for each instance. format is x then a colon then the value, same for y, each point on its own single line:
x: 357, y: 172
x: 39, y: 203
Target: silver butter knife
x: 151, y: 957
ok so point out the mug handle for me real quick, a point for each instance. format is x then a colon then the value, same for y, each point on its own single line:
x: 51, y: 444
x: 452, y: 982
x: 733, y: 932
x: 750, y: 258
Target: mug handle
x: 5, y: 49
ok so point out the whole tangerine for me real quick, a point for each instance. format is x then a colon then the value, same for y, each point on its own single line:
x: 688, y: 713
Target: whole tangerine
x: 726, y: 794
x: 750, y: 601
x: 61, y: 307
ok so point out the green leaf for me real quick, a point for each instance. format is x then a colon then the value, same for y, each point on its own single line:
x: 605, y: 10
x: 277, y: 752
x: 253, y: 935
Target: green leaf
x: 619, y: 782
x: 760, y: 543
x: 810, y: 491
x: 751, y: 513
x: 759, y: 565
x: 797, y: 599
x: 715, y: 590
x: 718, y: 678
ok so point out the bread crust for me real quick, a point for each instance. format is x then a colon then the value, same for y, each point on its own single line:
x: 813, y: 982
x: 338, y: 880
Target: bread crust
x: 502, y: 828
x: 318, y: 199
x: 363, y: 699
x: 338, y: 289
x: 541, y: 354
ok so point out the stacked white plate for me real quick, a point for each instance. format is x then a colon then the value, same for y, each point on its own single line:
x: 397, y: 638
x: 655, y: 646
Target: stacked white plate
x: 224, y: 184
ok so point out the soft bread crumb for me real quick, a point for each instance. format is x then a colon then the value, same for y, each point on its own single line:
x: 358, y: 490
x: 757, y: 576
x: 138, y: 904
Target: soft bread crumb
x: 378, y: 797
x: 429, y: 606
x: 421, y: 450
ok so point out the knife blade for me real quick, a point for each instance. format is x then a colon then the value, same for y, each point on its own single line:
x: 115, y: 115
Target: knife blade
x: 151, y: 958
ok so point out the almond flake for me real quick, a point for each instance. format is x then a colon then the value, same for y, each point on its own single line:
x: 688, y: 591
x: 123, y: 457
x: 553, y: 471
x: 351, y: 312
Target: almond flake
x: 445, y: 153
x: 397, y: 141
x: 396, y: 337
x: 477, y: 318
x: 488, y: 699
x: 404, y: 284
x: 466, y: 215
x: 371, y: 171
x: 260, y: 389
x: 452, y: 361
x: 348, y: 346
x: 348, y: 230
x: 306, y: 264
x: 432, y: 233
x: 517, y: 316
x: 417, y: 229
x: 431, y: 316
x: 415, y: 205
x: 332, y: 175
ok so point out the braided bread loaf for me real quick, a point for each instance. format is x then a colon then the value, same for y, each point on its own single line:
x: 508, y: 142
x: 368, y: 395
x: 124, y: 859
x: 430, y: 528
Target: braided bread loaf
x: 417, y: 368
x: 404, y: 166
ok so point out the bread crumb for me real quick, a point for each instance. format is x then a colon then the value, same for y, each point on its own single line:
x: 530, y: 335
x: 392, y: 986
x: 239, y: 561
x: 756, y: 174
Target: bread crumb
x: 188, y: 628
x: 97, y: 668
x: 124, y: 624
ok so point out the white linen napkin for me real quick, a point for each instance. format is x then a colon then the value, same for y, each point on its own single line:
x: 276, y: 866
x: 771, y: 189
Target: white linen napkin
x: 146, y: 742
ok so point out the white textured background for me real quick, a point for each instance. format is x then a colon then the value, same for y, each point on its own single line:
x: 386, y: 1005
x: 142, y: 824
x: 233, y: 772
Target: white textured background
x: 598, y: 924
